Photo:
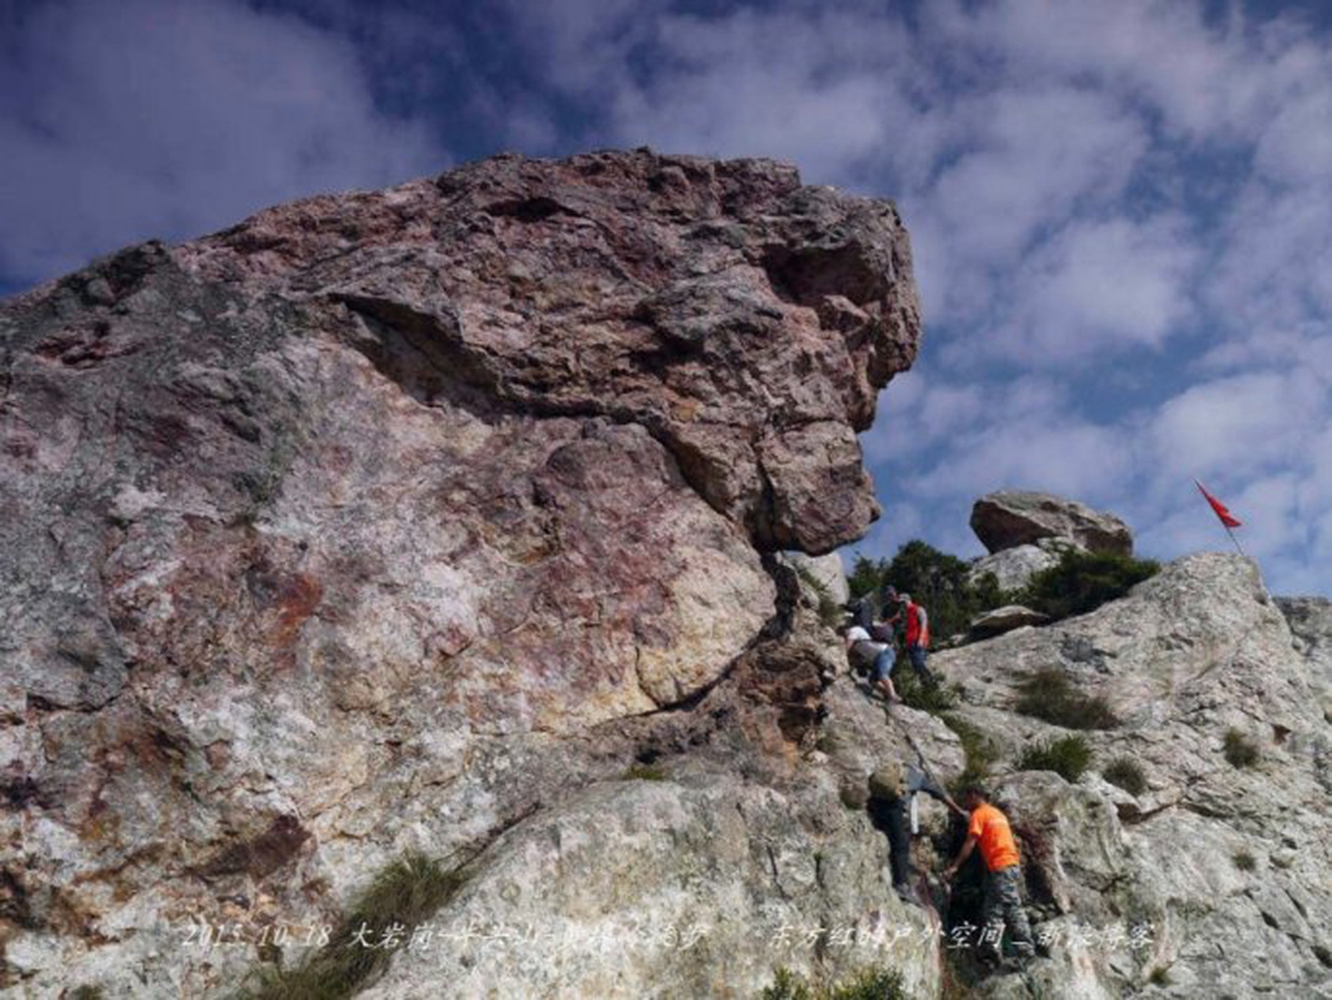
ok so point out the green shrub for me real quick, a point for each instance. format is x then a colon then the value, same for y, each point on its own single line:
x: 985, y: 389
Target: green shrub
x: 1159, y: 976
x: 1050, y: 694
x: 869, y: 984
x: 935, y: 580
x: 787, y: 986
x: 1068, y: 757
x: 1083, y: 581
x: 915, y: 693
x: 1240, y: 751
x: 400, y: 897
x: 87, y: 993
x: 1127, y: 775
x: 979, y: 749
x: 1244, y: 861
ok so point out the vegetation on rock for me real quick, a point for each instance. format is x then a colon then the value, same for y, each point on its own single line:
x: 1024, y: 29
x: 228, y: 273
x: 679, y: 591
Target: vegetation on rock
x: 1127, y: 774
x: 915, y: 693
x: 1068, y: 757
x: 401, y: 896
x: 936, y: 580
x: 979, y: 750
x: 869, y: 984
x: 1239, y: 750
x: 831, y: 613
x: 1082, y: 581
x: 1049, y: 694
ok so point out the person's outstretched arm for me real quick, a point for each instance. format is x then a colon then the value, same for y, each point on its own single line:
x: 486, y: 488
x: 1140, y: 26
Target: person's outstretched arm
x: 961, y: 858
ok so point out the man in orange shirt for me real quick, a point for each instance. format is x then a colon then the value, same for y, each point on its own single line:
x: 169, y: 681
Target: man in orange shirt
x: 988, y: 827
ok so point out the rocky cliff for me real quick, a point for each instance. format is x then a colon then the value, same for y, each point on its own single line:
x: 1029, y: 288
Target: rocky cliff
x: 446, y: 520
x: 411, y: 521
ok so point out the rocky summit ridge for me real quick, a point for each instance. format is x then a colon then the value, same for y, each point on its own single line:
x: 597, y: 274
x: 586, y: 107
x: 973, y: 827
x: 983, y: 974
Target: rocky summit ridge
x: 445, y: 521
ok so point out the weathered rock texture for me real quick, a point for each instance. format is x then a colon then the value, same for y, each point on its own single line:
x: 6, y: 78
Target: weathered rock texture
x: 1192, y: 653
x: 447, y: 518
x: 406, y: 519
x: 1009, y: 518
x: 1005, y: 619
x: 1013, y: 568
x: 1310, y: 620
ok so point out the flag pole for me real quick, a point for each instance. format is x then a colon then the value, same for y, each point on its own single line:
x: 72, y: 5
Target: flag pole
x: 1236, y: 541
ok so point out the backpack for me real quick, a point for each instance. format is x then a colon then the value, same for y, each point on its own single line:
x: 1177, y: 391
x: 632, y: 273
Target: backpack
x: 888, y: 782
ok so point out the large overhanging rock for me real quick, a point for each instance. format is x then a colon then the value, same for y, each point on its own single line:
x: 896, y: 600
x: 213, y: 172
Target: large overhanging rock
x: 381, y: 520
x: 1009, y: 518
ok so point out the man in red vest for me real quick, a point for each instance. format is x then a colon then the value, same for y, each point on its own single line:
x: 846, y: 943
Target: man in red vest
x: 916, y: 624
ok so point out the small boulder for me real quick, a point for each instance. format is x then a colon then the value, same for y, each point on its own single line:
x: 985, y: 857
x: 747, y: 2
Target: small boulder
x: 1014, y: 568
x: 1009, y: 518
x: 1005, y: 619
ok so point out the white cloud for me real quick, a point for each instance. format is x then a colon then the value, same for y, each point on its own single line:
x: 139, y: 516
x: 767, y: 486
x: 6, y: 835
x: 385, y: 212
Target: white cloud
x: 158, y: 118
x: 1097, y: 283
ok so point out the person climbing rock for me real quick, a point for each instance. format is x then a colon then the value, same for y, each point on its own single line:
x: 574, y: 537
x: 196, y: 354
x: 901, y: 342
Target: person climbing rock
x: 915, y: 626
x: 868, y: 653
x: 892, y: 799
x: 1002, y: 908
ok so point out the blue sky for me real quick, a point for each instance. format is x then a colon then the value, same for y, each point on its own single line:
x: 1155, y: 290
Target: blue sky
x: 1121, y: 210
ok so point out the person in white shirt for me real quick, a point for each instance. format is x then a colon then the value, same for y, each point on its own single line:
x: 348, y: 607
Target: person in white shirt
x: 878, y: 656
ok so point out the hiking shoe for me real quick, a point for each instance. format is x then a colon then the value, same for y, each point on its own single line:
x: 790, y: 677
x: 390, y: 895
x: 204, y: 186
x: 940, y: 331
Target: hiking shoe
x: 908, y: 895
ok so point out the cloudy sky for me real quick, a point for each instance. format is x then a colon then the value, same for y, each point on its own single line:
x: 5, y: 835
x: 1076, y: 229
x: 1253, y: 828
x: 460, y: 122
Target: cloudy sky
x: 1121, y: 209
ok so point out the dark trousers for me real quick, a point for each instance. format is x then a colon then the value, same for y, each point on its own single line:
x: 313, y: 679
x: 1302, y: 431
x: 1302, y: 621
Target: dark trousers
x: 890, y: 817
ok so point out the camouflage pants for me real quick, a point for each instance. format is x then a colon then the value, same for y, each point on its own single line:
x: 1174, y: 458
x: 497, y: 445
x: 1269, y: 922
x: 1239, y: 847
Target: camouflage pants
x: 1003, y: 908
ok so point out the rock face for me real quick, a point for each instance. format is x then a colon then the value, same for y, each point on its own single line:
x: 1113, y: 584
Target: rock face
x: 1009, y: 518
x: 823, y: 574
x: 411, y: 520
x: 1013, y: 568
x: 1310, y: 620
x: 1227, y: 864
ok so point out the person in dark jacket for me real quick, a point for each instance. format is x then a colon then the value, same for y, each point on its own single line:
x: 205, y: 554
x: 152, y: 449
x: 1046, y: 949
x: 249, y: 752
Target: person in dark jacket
x: 892, y: 809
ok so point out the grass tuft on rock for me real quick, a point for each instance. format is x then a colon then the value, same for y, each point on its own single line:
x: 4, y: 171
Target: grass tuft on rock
x: 1244, y: 861
x: 401, y: 896
x: 980, y: 752
x: 87, y: 993
x: 1240, y: 751
x: 868, y: 984
x: 1127, y: 774
x: 1069, y: 757
x: 1049, y: 694
x: 1159, y: 976
x: 915, y: 693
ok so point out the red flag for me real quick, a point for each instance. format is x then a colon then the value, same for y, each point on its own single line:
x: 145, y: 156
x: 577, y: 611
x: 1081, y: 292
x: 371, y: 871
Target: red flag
x: 1227, y: 518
